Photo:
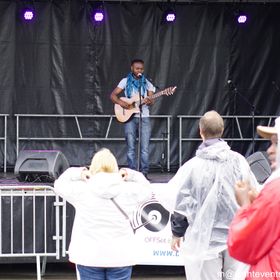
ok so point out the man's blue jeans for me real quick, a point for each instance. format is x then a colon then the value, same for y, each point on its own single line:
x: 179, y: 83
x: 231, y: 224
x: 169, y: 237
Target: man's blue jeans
x: 131, y: 134
x: 104, y: 273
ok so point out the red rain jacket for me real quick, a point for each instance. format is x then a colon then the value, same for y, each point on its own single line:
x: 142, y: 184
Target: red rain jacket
x: 254, y: 234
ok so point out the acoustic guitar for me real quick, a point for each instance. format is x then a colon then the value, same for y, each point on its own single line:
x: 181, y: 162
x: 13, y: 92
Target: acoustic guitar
x: 123, y: 115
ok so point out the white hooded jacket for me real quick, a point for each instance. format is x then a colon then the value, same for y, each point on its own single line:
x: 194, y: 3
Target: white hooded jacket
x: 101, y: 235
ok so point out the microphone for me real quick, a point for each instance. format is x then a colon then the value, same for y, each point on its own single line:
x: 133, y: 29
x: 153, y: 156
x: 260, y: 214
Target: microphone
x: 232, y: 85
x: 139, y: 75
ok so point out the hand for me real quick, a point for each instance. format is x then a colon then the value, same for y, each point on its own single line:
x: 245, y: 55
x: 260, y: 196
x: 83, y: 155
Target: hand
x: 253, y: 193
x: 148, y: 101
x: 124, y: 104
x: 123, y: 173
x: 85, y: 174
x: 175, y: 243
x: 245, y: 194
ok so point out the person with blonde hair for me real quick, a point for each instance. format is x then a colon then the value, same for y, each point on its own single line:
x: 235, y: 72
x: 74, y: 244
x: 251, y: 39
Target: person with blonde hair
x: 103, y: 161
x: 102, y: 243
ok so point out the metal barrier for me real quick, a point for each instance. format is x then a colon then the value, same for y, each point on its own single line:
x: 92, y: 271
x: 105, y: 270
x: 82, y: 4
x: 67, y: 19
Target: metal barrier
x: 4, y: 139
x: 111, y: 118
x: 264, y: 120
x: 28, y: 214
x: 77, y: 121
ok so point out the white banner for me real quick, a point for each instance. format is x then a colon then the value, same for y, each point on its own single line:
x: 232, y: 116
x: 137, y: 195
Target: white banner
x: 154, y: 235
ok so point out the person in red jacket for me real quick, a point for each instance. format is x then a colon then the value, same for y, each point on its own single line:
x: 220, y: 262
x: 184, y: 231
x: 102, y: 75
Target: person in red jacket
x: 254, y: 234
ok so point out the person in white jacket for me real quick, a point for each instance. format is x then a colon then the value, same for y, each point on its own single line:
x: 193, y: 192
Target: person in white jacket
x: 102, y: 243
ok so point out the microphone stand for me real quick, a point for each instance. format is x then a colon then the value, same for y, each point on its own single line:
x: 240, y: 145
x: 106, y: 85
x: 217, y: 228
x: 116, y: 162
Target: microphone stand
x: 253, y: 108
x: 275, y: 85
x: 139, y: 126
x: 234, y: 113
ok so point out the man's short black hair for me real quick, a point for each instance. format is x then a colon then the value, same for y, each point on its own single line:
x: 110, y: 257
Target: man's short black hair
x: 136, y: 60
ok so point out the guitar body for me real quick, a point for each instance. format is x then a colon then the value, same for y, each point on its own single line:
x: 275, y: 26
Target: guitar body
x: 123, y: 115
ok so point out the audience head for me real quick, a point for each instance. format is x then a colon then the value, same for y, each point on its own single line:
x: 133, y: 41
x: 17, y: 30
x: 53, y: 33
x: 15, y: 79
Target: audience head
x: 271, y: 132
x: 103, y: 161
x: 211, y: 125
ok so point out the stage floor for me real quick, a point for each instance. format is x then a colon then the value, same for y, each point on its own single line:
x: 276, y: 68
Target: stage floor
x: 9, y: 178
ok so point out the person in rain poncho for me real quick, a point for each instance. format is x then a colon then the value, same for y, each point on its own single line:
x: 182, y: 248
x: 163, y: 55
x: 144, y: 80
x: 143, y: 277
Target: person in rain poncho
x: 207, y: 203
x: 102, y: 242
x: 254, y: 234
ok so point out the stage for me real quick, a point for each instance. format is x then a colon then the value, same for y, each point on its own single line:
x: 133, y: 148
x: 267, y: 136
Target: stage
x: 9, y: 178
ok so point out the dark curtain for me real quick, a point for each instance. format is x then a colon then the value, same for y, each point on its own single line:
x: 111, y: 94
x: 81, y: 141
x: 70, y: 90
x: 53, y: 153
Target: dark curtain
x: 64, y: 63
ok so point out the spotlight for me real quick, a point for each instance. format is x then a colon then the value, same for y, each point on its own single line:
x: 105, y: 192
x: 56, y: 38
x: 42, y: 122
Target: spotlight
x: 169, y: 16
x: 241, y: 18
x: 28, y: 14
x: 98, y: 15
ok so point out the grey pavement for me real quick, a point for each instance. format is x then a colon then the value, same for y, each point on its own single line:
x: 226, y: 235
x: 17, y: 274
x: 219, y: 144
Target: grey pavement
x: 67, y: 271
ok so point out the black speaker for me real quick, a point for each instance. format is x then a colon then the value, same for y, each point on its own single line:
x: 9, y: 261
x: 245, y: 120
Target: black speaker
x: 40, y: 165
x: 260, y: 166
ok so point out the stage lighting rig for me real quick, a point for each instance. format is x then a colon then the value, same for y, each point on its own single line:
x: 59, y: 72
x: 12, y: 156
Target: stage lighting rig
x: 98, y: 12
x: 169, y: 16
x: 28, y: 14
x: 241, y: 18
x: 98, y: 15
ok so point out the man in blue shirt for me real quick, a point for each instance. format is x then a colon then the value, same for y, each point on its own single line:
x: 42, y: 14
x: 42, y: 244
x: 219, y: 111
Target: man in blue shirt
x: 131, y: 85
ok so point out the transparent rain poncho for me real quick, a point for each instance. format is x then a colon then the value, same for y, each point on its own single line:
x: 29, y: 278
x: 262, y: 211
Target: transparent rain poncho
x: 206, y: 197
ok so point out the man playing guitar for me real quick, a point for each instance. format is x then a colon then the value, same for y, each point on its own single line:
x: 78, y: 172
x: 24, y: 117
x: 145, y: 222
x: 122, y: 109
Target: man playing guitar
x: 134, y: 83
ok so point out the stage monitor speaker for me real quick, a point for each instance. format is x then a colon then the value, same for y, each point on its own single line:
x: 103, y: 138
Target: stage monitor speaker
x: 260, y: 166
x: 40, y: 165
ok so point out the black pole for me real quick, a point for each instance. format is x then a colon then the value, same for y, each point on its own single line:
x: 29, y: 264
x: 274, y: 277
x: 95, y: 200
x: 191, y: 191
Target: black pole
x: 246, y: 100
x: 234, y: 113
x: 139, y: 127
x: 253, y: 129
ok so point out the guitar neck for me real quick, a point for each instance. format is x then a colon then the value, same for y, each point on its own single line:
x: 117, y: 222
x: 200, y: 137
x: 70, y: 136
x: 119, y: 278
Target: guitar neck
x: 156, y: 95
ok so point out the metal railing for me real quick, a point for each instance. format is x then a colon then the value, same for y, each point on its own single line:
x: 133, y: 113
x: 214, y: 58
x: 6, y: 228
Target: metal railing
x: 266, y: 120
x: 80, y: 133
x: 108, y: 130
x: 26, y: 223
x: 4, y: 139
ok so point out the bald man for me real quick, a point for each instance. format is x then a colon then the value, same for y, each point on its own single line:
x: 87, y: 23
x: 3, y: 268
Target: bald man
x: 206, y: 204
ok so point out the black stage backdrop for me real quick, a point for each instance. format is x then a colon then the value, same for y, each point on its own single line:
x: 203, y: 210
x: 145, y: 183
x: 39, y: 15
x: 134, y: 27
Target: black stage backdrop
x: 63, y: 63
